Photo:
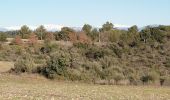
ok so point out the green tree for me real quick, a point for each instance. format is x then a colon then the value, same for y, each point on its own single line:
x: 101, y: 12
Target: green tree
x: 94, y: 34
x: 24, y: 31
x: 87, y: 28
x: 133, y: 29
x: 107, y: 27
x: 114, y: 35
x: 157, y: 34
x: 131, y: 37
x: 40, y: 32
x: 145, y: 34
x: 153, y: 34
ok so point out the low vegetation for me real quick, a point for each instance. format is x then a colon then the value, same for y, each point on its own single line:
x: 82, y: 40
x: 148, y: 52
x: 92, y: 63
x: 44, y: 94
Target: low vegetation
x: 104, y: 56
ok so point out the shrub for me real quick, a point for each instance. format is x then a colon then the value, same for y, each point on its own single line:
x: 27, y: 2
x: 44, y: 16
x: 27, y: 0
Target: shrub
x: 83, y: 38
x: 94, y: 53
x: 114, y: 35
x: 3, y: 37
x: 167, y: 63
x: 17, y: 41
x: 150, y: 77
x: 33, y: 39
x: 57, y: 65
x: 116, y: 49
x: 49, y: 37
x: 117, y: 77
x: 25, y: 63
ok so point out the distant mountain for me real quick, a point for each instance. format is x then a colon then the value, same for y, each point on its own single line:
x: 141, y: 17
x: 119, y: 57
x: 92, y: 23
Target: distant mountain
x: 49, y: 27
x: 3, y: 29
x: 121, y: 27
x: 53, y: 27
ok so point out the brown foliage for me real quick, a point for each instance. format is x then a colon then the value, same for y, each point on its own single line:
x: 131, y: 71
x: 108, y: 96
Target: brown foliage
x: 72, y: 36
x: 49, y: 36
x: 83, y: 38
x: 33, y: 39
x: 17, y: 40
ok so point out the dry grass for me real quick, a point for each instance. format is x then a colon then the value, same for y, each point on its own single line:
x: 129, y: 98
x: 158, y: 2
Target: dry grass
x: 35, y: 87
x: 38, y: 88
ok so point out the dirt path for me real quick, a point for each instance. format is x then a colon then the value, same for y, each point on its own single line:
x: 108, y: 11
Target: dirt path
x: 6, y: 66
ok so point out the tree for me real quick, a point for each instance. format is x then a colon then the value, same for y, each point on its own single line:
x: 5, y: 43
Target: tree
x: 94, y: 34
x: 64, y: 33
x: 157, y: 34
x: 24, y: 31
x: 153, y: 33
x: 107, y: 27
x: 87, y: 29
x: 114, y: 35
x: 104, y: 31
x: 133, y: 29
x: 131, y: 37
x: 40, y: 32
x: 145, y: 34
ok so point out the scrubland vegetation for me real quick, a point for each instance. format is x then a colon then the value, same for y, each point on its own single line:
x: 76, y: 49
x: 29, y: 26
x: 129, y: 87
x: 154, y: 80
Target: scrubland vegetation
x: 100, y: 56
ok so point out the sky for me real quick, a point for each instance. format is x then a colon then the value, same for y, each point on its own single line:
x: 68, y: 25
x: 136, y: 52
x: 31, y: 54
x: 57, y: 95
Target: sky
x: 78, y: 12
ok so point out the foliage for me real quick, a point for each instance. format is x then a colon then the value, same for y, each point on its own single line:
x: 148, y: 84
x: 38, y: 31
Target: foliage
x: 83, y: 38
x: 57, y: 65
x: 3, y: 37
x: 135, y: 56
x: 17, y: 40
x: 81, y: 45
x: 95, y: 53
x: 107, y: 27
x: 87, y: 28
x: 40, y: 32
x: 114, y: 35
x: 24, y: 32
x: 94, y: 35
x: 49, y: 37
x: 64, y: 34
x: 25, y: 63
x: 150, y: 77
x: 33, y: 39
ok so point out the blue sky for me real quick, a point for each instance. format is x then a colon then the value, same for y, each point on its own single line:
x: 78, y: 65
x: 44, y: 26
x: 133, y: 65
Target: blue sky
x: 79, y: 12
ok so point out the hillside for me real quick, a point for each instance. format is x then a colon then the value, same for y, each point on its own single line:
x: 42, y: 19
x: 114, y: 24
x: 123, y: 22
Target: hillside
x: 105, y: 56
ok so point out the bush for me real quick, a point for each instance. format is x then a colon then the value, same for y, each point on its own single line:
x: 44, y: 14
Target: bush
x: 167, y: 63
x: 116, y: 49
x: 57, y: 65
x: 25, y: 63
x: 17, y: 41
x: 118, y: 77
x: 150, y: 77
x: 95, y: 53
x: 3, y: 37
x: 81, y: 45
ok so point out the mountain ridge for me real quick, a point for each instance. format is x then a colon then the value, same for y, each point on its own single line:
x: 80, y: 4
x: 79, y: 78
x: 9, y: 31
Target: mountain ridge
x: 54, y: 27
